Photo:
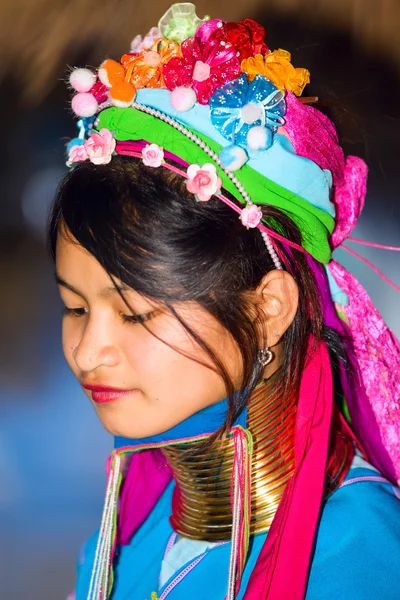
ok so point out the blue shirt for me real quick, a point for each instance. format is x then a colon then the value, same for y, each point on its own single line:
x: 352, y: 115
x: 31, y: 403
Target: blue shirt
x: 356, y: 554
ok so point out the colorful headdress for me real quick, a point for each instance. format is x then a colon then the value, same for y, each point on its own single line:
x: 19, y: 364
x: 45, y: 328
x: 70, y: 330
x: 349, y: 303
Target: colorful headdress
x: 209, y: 100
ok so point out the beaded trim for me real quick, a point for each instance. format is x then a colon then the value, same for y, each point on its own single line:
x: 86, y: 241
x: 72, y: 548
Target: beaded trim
x: 195, y: 139
x: 180, y: 576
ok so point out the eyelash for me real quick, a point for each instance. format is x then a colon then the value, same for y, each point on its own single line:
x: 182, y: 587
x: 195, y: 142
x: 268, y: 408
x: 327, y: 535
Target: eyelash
x: 137, y: 318
x: 80, y: 312
x: 74, y: 312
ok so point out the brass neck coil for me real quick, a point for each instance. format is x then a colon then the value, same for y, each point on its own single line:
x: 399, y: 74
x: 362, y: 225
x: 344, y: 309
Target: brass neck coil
x: 201, y: 504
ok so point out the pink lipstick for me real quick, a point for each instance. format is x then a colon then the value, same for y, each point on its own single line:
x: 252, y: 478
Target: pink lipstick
x: 102, y: 394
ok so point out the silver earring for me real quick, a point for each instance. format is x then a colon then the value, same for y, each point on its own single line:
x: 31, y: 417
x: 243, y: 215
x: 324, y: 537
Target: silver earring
x: 265, y: 356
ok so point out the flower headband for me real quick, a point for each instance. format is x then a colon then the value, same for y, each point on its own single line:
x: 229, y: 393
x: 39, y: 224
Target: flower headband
x: 246, y: 108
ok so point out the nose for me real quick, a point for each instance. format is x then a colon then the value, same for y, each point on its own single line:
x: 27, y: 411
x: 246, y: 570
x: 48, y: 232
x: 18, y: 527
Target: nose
x: 96, y: 348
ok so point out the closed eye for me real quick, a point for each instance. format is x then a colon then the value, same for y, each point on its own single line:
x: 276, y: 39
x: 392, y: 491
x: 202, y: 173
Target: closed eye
x: 137, y: 318
x: 80, y: 312
x: 74, y: 312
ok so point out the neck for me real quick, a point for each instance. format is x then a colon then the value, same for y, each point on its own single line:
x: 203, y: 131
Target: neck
x: 201, y: 505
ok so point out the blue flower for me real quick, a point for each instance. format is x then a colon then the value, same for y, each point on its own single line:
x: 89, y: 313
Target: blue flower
x: 240, y: 105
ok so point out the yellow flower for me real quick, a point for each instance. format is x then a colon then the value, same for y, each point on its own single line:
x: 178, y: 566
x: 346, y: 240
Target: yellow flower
x: 276, y: 66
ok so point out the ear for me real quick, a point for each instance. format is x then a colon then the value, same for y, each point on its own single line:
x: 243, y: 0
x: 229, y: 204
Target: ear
x: 276, y: 299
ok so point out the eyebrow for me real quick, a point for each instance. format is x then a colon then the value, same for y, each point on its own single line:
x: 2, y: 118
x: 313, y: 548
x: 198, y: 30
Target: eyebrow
x: 103, y: 293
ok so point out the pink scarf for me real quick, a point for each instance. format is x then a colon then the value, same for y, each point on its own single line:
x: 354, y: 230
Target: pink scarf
x: 281, y: 571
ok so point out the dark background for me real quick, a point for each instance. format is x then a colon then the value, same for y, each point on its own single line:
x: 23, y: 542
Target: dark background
x: 52, y: 449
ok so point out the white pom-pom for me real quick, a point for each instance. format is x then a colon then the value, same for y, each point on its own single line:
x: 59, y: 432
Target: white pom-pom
x: 251, y: 113
x: 183, y: 98
x: 259, y: 138
x: 233, y: 157
x: 82, y: 80
x: 84, y: 105
x: 120, y: 103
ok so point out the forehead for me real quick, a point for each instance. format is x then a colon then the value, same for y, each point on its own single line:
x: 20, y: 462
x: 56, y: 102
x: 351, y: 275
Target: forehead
x: 71, y: 255
x: 76, y: 266
x: 80, y: 272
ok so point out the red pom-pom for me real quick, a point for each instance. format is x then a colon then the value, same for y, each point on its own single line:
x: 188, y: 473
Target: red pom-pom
x: 100, y: 92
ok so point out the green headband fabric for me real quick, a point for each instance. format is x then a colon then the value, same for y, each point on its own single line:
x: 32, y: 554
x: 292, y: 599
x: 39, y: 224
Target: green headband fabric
x: 315, y: 224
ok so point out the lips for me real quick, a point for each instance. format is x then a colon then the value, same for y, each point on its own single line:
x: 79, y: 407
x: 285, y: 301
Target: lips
x: 103, y: 394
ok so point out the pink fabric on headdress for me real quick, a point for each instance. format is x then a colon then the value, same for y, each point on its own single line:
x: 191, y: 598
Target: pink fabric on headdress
x: 314, y: 136
x: 281, y: 571
x: 363, y: 418
x: 375, y: 414
x: 349, y: 198
x: 378, y: 354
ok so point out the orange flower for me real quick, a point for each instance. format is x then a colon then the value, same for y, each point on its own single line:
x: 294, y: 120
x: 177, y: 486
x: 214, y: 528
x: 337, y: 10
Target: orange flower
x: 145, y: 69
x: 276, y: 66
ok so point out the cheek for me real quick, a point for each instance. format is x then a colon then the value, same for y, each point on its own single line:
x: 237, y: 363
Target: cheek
x: 170, y: 363
x: 155, y: 355
x: 70, y: 340
x: 168, y: 345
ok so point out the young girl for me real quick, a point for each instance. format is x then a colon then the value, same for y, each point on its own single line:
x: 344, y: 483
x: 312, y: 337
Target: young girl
x: 251, y: 386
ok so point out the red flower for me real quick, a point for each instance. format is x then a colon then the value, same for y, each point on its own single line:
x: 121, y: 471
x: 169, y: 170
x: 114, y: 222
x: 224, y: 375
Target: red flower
x: 204, y: 66
x: 247, y: 36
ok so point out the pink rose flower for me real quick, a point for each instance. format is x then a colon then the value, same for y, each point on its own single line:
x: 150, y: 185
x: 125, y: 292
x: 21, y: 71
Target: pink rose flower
x: 152, y: 155
x: 251, y: 216
x: 201, y: 71
x: 203, y: 181
x: 76, y: 154
x: 100, y: 146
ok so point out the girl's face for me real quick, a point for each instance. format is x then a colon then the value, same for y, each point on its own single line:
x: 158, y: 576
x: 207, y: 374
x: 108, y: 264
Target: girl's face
x: 159, y: 376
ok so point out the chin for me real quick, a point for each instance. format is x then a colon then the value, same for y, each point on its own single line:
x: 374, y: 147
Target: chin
x: 135, y: 433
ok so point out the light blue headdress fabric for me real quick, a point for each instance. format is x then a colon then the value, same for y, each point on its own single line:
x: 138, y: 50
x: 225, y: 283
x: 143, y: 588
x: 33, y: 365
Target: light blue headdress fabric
x: 279, y: 163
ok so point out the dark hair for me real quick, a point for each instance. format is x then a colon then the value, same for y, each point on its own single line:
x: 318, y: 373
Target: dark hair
x: 145, y: 229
